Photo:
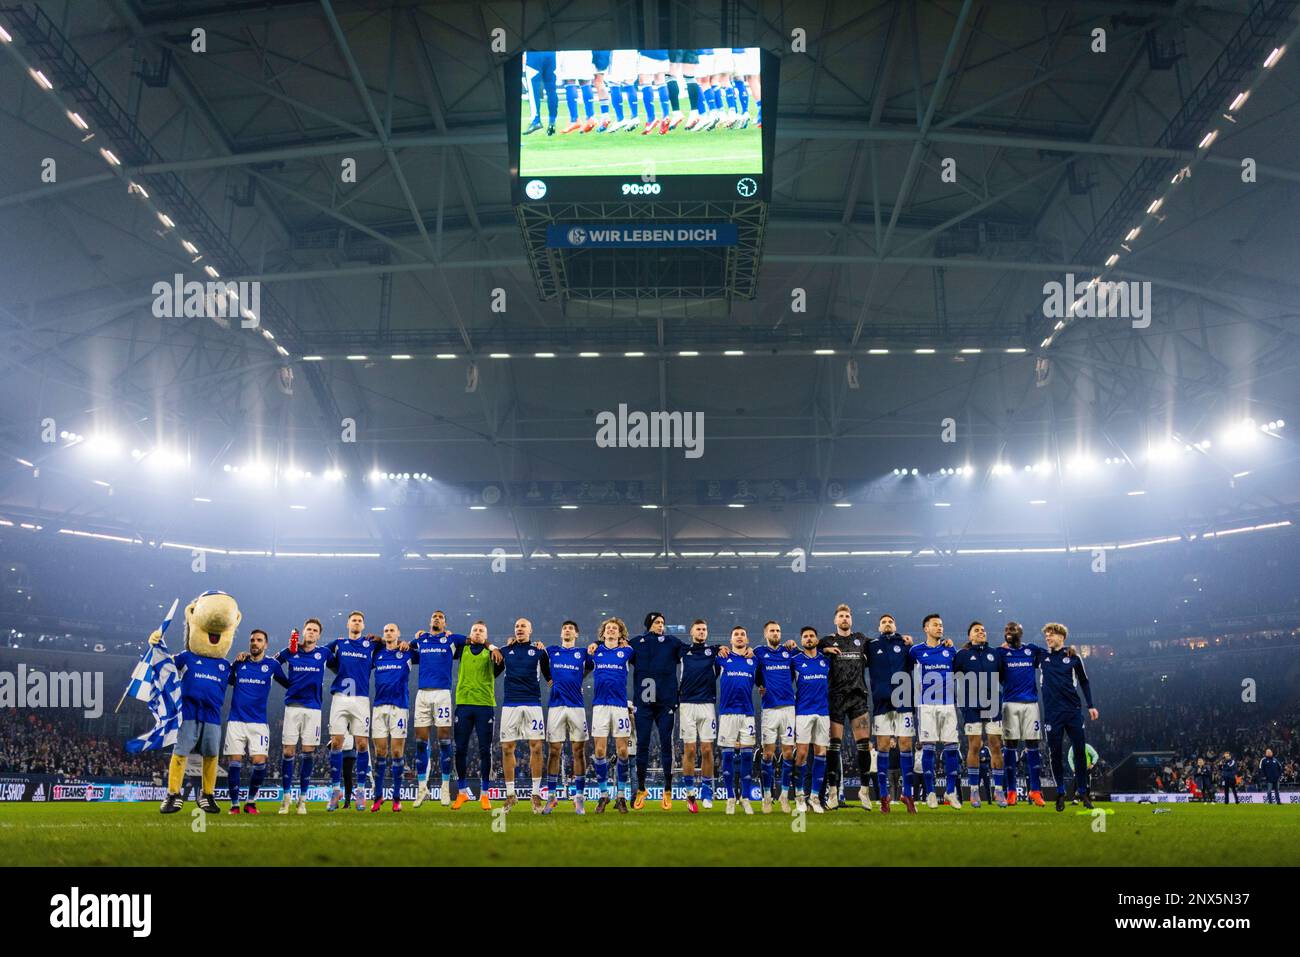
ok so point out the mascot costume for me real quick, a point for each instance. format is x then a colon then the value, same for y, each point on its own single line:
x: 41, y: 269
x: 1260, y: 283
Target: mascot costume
x: 210, y: 623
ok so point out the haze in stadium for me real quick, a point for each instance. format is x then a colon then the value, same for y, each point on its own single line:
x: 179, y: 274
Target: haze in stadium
x: 465, y: 434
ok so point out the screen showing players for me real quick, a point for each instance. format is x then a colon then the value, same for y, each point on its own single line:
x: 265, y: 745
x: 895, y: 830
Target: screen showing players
x: 640, y: 124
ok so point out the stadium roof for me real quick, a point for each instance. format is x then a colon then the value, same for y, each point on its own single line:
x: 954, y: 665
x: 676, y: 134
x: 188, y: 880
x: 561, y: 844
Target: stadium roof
x: 933, y: 288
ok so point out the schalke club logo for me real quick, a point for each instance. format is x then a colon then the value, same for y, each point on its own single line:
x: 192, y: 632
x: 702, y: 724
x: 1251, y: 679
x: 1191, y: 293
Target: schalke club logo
x: 577, y: 236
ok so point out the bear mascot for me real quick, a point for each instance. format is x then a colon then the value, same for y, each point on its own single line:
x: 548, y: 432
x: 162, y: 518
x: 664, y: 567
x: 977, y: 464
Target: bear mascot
x: 210, y: 623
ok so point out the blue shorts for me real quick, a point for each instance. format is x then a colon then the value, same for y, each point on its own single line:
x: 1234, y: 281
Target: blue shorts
x: 600, y: 60
x: 203, y: 737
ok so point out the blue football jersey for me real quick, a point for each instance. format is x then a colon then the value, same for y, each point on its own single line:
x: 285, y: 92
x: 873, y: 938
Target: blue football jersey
x: 778, y: 679
x: 812, y: 684
x: 569, y: 666
x: 523, y: 662
x: 1019, y: 672
x: 611, y: 670
x: 934, y: 675
x: 699, y: 681
x: 436, y: 652
x: 736, y: 685
x: 252, y: 683
x: 393, y: 677
x: 203, y: 686
x: 353, y: 657
x: 306, y: 671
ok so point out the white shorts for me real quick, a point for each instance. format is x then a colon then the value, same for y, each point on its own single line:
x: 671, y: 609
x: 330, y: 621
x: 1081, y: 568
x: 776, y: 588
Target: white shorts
x: 699, y: 722
x: 433, y: 707
x: 350, y: 714
x: 1020, y: 721
x: 568, y: 723
x: 522, y: 722
x: 723, y: 60
x: 896, y: 724
x: 812, y: 729
x: 778, y: 726
x: 648, y: 66
x: 388, y: 721
x: 938, y: 723
x: 574, y: 65
x: 244, y: 734
x: 301, y: 726
x: 607, y: 719
x: 631, y: 738
x: 704, y: 67
x: 974, y: 729
x: 622, y: 66
x: 747, y: 63
x: 736, y: 731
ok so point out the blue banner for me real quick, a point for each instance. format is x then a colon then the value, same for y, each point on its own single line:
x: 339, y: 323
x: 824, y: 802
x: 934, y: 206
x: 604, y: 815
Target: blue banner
x: 639, y: 235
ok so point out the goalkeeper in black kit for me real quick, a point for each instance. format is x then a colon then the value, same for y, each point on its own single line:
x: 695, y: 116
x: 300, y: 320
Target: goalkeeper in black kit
x: 850, y: 704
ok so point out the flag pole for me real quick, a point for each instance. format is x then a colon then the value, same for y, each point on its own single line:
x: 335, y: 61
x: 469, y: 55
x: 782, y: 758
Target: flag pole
x: 166, y: 621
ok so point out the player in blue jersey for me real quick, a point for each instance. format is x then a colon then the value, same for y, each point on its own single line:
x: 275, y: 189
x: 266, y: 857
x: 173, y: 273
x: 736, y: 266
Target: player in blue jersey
x: 1063, y: 678
x: 521, y: 709
x: 778, y: 715
x: 304, y: 663
x: 739, y: 677
x: 391, y: 713
x: 1020, y: 715
x: 433, y: 707
x: 979, y: 695
x: 890, y: 669
x: 351, y: 659
x: 812, y: 718
x: 611, y: 710
x: 247, y: 728
x: 936, y: 710
x: 566, y: 717
x: 697, y: 693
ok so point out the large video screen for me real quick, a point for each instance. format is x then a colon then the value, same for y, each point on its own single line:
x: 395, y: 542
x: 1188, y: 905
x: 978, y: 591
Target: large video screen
x: 650, y: 125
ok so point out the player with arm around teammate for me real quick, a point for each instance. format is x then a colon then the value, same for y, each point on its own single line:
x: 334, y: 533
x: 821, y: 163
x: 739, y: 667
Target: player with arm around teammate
x: 890, y: 668
x: 736, y: 682
x: 433, y: 707
x: 566, y: 716
x: 391, y: 713
x: 979, y: 696
x: 698, y: 715
x: 777, y: 698
x: 521, y: 709
x: 812, y: 719
x: 936, y: 710
x: 247, y: 728
x: 610, y: 715
x: 304, y: 663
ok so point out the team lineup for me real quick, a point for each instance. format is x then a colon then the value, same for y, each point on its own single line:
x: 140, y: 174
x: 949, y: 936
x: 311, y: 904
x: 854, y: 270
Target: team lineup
x: 810, y: 691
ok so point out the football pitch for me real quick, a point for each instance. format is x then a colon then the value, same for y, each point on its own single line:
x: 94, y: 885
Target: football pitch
x: 1134, y: 835
x: 623, y: 153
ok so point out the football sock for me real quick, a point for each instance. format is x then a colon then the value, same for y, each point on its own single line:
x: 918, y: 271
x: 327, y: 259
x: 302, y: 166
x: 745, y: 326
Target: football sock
x: 233, y: 771
x: 422, y: 760
x: 1034, y: 764
x: 255, y: 781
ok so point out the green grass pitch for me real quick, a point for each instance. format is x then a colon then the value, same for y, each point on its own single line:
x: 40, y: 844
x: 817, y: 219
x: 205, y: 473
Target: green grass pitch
x: 136, y: 834
x: 676, y: 153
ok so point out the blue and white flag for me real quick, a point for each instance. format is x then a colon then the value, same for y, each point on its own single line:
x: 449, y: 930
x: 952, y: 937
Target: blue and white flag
x: 156, y: 681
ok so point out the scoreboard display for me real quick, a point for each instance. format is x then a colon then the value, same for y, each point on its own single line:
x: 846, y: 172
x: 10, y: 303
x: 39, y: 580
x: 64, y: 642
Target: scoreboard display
x: 620, y: 125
